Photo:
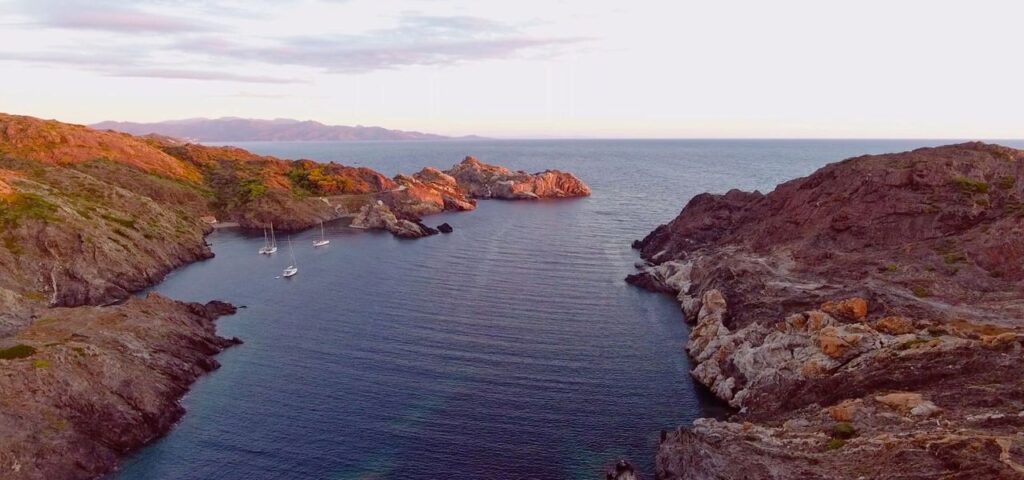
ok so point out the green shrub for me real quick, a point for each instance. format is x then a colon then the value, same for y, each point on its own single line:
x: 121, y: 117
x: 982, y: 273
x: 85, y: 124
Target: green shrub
x: 1006, y: 182
x: 835, y: 444
x: 41, y: 364
x: 124, y: 222
x: 843, y: 430
x: 252, y: 189
x: 17, y: 351
x: 920, y: 292
x: 21, y: 206
x: 969, y: 185
x: 913, y: 343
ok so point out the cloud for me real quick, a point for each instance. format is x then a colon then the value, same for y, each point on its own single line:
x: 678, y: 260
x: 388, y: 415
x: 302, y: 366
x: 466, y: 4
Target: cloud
x: 197, y: 75
x: 116, y: 64
x: 110, y: 17
x: 416, y: 40
x: 269, y: 96
x: 76, y: 58
x: 179, y: 39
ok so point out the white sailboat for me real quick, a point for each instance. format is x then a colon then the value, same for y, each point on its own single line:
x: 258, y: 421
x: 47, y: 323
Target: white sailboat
x: 269, y: 245
x: 323, y: 238
x: 292, y: 269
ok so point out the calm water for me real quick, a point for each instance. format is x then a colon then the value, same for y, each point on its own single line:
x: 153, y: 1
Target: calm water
x: 510, y: 348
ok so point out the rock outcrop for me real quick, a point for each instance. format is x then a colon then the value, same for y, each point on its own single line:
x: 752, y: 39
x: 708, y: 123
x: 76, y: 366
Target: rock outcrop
x: 858, y: 320
x: 83, y: 386
x: 379, y: 217
x: 481, y: 180
x: 70, y: 237
x: 427, y: 192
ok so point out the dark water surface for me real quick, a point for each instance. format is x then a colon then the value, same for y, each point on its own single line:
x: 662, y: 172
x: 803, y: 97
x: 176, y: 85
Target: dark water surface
x: 510, y: 348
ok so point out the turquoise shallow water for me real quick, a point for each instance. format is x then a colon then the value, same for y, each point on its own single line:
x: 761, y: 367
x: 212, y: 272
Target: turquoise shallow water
x: 510, y: 348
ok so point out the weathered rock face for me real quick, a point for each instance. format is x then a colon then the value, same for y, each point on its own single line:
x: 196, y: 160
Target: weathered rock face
x: 426, y: 193
x: 480, y: 180
x: 71, y: 238
x: 856, y: 320
x: 92, y: 383
x: 379, y: 217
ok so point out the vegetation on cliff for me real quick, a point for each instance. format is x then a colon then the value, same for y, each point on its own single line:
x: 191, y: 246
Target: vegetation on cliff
x: 86, y: 218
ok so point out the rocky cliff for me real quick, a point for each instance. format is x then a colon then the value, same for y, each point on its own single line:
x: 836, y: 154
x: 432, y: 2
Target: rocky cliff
x: 481, y: 180
x: 83, y: 386
x: 866, y: 321
x: 88, y: 217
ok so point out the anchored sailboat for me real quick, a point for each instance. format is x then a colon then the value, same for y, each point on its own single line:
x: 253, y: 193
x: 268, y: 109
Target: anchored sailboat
x: 269, y: 245
x: 323, y: 238
x: 292, y: 269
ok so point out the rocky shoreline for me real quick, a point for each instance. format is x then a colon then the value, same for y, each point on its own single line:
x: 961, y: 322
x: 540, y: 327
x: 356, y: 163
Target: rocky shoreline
x: 88, y: 217
x: 85, y: 385
x: 866, y: 321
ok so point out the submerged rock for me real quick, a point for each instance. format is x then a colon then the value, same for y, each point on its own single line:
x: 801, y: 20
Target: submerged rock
x: 445, y: 228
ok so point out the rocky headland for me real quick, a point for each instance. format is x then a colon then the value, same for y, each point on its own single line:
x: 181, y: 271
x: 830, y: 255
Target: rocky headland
x: 88, y: 217
x: 480, y: 180
x: 83, y: 386
x: 866, y: 321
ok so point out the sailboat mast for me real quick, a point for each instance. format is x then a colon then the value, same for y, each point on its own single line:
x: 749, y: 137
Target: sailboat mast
x: 292, y: 250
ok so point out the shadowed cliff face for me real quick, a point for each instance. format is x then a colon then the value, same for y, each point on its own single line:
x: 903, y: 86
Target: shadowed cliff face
x: 868, y: 316
x: 921, y: 232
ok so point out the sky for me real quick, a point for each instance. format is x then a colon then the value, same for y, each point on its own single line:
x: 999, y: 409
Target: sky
x: 529, y: 68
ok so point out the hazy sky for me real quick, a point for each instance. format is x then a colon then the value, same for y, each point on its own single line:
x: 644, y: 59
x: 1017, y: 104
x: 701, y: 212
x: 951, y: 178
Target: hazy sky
x: 529, y: 68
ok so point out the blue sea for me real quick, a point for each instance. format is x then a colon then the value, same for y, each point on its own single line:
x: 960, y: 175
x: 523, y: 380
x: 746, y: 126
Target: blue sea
x: 509, y: 349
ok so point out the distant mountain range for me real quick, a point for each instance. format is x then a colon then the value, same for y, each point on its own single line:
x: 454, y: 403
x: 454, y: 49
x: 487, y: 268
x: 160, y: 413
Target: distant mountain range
x: 233, y: 129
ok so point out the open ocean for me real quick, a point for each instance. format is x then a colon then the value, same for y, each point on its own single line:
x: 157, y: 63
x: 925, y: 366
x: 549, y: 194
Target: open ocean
x: 509, y: 349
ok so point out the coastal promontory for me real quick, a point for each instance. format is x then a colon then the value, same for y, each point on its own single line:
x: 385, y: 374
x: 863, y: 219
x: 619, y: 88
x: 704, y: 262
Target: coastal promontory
x: 866, y: 321
x: 89, y: 372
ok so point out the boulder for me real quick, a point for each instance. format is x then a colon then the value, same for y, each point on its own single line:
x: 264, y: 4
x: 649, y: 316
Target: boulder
x: 854, y: 309
x: 378, y: 216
